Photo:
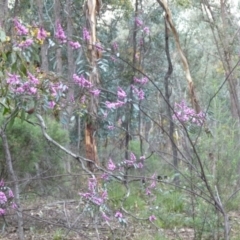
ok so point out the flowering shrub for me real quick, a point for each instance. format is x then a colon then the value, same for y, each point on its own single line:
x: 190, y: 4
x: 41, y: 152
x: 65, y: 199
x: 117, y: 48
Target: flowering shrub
x: 6, y: 198
x: 185, y: 114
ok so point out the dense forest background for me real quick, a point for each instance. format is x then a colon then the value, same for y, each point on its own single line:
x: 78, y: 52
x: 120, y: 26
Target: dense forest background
x: 119, y: 119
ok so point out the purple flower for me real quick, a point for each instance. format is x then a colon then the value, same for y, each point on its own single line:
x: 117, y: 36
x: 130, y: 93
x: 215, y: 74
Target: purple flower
x: 139, y: 22
x: 21, y: 30
x: 74, y: 45
x: 146, y: 30
x: 32, y: 79
x: 140, y: 165
x: 92, y: 183
x: 10, y: 194
x: 148, y: 192
x: 60, y: 35
x: 13, y: 79
x: 86, y: 35
x: 2, y: 212
x: 25, y: 44
x: 132, y: 157
x: 1, y: 183
x: 81, y: 81
x: 51, y: 104
x: 152, y: 218
x: 14, y: 205
x: 110, y: 127
x: 142, y: 81
x: 3, y: 198
x: 142, y: 158
x: 42, y: 34
x: 111, y: 165
x: 95, y: 92
x: 118, y: 214
x: 138, y: 93
x: 121, y: 94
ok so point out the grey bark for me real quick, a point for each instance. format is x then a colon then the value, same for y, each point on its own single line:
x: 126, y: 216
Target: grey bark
x: 44, y: 47
x: 14, y: 179
x: 57, y: 16
x: 3, y: 13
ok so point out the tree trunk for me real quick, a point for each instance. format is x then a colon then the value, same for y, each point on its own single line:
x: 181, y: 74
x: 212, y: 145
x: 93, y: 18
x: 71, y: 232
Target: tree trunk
x: 57, y: 16
x: 3, y: 14
x: 92, y: 8
x: 191, y: 88
x: 44, y: 47
x: 14, y: 179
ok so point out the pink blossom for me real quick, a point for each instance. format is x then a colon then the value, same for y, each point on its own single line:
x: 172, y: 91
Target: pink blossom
x: 111, y: 165
x: 138, y: 22
x: 148, y: 192
x: 99, y: 46
x: 2, y: 212
x: 3, y: 198
x: 10, y: 194
x: 142, y: 158
x: 81, y: 81
x: 33, y: 79
x: 21, y: 30
x: 42, y: 34
x: 142, y: 81
x: 110, y: 127
x: 13, y: 79
x: 59, y: 34
x: 152, y: 218
x: 86, y: 35
x: 146, y: 30
x: 74, y: 45
x: 184, y: 114
x: 132, y: 157
x: 104, y: 195
x: 25, y: 44
x: 14, y: 205
x: 92, y: 183
x: 95, y: 92
x: 51, y: 104
x: 1, y: 183
x: 139, y: 93
x: 121, y: 94
x: 118, y: 214
x: 105, y: 176
x: 140, y: 165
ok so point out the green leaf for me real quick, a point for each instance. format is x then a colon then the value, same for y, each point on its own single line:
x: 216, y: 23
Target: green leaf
x: 2, y: 36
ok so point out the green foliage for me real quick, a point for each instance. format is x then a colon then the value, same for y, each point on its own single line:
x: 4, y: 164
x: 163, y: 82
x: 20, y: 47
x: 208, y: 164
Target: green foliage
x: 28, y: 147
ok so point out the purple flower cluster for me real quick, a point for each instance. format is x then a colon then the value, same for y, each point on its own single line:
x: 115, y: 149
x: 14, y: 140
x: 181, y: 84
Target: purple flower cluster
x: 152, y: 185
x: 25, y: 44
x: 138, y: 93
x: 60, y: 35
x: 141, y: 81
x: 75, y: 45
x: 93, y: 195
x: 6, y: 198
x: 139, y: 23
x: 19, y: 87
x: 21, y: 30
x: 86, y: 34
x: 185, y: 114
x: 42, y: 34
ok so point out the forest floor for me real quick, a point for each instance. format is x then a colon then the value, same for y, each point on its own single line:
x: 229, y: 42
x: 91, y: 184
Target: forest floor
x: 61, y: 220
